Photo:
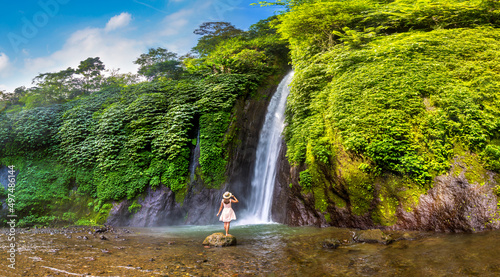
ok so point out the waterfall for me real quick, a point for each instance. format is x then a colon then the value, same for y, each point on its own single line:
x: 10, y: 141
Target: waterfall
x: 264, y: 175
x: 195, y: 158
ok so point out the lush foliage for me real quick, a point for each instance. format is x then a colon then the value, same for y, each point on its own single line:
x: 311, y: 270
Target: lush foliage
x: 395, y: 88
x: 108, y: 138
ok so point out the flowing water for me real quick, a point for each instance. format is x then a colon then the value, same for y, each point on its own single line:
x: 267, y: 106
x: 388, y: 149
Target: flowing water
x: 195, y: 158
x: 259, y: 206
x: 262, y: 250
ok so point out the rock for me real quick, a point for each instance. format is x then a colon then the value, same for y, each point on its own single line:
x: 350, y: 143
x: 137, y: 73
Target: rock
x: 220, y: 240
x: 372, y: 236
x: 100, y: 230
x: 402, y: 235
x: 102, y: 237
x: 331, y: 243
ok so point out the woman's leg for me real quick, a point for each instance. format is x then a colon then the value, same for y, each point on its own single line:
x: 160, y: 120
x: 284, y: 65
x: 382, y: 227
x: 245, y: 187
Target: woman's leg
x: 227, y: 232
x: 226, y: 227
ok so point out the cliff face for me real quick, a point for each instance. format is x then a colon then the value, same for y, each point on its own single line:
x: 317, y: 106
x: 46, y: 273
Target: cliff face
x: 453, y: 204
x: 200, y: 204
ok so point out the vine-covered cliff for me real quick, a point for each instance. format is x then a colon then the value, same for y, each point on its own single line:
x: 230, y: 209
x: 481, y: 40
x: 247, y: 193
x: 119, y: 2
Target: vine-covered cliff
x: 394, y: 114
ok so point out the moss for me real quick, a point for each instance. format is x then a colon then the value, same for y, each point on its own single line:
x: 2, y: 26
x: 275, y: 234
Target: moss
x: 385, y: 212
x: 360, y: 195
x: 103, y: 213
x: 359, y: 184
x: 320, y: 200
x: 180, y: 195
x: 328, y: 218
x: 339, y: 202
x: 475, y: 171
x: 134, y: 207
x: 306, y: 180
x: 409, y: 196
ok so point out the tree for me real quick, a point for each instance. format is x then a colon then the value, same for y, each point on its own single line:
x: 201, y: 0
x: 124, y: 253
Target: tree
x: 62, y: 82
x: 262, y: 28
x: 159, y: 62
x: 212, y: 34
x: 91, y: 69
x: 3, y: 95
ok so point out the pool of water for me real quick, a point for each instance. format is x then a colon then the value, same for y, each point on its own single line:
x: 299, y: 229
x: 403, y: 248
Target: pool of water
x: 262, y: 250
x: 299, y: 251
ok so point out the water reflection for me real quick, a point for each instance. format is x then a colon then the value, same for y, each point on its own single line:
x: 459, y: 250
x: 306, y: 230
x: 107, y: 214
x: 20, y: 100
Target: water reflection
x: 262, y: 250
x: 298, y: 251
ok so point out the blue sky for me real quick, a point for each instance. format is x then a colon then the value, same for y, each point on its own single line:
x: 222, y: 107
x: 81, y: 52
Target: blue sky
x: 39, y: 36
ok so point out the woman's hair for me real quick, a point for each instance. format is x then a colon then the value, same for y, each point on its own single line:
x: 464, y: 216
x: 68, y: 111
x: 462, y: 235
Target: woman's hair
x: 227, y: 201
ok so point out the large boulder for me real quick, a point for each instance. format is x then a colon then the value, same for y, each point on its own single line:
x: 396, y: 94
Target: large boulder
x: 373, y: 236
x: 219, y: 240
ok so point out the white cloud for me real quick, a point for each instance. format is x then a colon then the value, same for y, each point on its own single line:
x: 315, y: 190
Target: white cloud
x: 176, y: 22
x: 115, y: 52
x: 118, y: 21
x: 5, y: 65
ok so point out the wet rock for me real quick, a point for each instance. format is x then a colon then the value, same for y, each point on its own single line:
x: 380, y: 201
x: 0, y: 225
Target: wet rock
x: 373, y: 236
x: 331, y: 243
x: 100, y: 230
x: 219, y: 240
x: 454, y: 204
x: 401, y: 235
x: 102, y: 237
x: 158, y: 208
x: 290, y: 206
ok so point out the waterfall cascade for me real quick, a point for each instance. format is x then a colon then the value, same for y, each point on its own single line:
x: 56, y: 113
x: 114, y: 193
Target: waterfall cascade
x: 194, y: 159
x: 264, y: 175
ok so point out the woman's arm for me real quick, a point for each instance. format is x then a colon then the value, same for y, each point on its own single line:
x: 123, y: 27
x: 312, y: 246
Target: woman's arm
x: 220, y: 209
x: 235, y: 200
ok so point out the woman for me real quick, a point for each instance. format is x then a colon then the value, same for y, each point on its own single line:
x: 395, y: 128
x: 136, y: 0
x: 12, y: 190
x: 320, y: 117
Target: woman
x: 228, y: 213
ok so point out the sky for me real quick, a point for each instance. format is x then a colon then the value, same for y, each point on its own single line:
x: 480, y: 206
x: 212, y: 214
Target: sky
x: 39, y: 36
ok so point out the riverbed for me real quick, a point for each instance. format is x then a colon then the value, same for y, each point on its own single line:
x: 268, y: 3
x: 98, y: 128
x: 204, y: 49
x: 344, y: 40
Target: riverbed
x: 262, y: 250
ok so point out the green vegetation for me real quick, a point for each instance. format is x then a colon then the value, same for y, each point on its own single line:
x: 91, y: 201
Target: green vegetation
x: 400, y: 85
x: 83, y: 139
x: 386, y: 96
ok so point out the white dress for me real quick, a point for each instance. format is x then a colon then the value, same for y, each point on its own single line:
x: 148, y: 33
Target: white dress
x: 227, y: 213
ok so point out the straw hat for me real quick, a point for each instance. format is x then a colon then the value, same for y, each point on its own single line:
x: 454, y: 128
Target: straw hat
x: 227, y: 195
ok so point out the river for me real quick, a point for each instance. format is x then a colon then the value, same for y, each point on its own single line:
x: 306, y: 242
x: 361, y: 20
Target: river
x: 262, y: 250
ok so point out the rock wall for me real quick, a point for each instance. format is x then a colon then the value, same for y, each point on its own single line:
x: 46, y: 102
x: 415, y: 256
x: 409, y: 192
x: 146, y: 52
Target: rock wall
x: 290, y: 206
x: 453, y: 204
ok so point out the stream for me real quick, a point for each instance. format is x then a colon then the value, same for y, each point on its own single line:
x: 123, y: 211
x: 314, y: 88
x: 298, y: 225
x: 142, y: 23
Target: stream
x: 262, y: 250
